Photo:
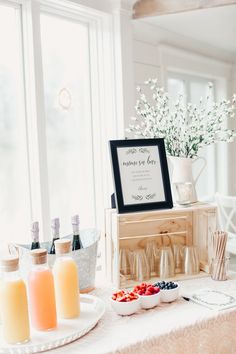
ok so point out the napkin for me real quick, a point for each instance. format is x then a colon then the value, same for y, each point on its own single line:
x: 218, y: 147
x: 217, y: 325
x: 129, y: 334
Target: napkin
x: 213, y: 299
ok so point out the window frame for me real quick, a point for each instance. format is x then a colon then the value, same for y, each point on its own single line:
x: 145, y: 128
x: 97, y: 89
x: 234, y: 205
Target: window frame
x: 183, y: 62
x: 103, y: 96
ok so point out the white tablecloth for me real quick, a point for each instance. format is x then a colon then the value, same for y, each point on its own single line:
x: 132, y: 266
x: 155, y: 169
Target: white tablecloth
x: 181, y: 327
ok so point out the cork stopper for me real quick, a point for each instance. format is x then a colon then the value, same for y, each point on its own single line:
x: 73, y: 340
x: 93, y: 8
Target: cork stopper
x: 39, y: 256
x: 9, y: 264
x: 75, y: 224
x: 63, y: 246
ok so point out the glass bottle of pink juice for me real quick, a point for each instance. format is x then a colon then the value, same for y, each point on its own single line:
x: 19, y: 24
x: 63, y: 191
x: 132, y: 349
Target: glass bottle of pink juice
x: 41, y: 292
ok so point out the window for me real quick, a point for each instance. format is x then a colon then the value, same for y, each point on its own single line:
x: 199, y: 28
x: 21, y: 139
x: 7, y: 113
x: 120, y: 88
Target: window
x: 53, y: 89
x: 191, y: 87
x: 14, y: 179
x: 68, y: 119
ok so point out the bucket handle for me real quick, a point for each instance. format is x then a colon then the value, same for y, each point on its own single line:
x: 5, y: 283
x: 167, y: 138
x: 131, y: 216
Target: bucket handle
x: 13, y: 249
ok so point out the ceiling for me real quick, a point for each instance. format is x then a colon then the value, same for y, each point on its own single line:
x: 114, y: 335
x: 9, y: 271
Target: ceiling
x: 215, y: 26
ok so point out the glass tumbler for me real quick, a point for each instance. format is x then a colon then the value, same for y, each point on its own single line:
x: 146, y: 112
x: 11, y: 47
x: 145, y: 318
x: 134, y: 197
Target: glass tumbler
x: 219, y: 268
x: 139, y: 266
x: 183, y: 192
x: 167, y: 265
x: 124, y: 262
x: 153, y: 257
x: 178, y: 257
x: 190, y: 260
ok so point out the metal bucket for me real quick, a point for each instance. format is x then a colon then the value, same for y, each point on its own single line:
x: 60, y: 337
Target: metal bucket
x: 85, y: 258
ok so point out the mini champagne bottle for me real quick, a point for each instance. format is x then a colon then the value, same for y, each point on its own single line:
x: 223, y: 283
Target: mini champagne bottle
x: 35, y: 235
x: 55, y: 226
x: 76, y: 242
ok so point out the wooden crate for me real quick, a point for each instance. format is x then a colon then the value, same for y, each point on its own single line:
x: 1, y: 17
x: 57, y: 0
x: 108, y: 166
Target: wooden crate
x: 186, y: 226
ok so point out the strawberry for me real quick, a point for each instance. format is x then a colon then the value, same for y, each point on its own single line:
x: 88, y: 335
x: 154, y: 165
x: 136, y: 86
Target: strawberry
x: 147, y: 293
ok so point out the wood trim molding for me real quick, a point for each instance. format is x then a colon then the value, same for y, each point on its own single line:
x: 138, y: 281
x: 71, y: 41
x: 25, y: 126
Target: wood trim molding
x: 145, y: 8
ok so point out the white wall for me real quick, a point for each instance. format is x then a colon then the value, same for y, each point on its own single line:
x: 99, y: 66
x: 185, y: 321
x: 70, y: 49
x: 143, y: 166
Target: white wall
x: 138, y: 56
x: 232, y: 148
x: 155, y: 50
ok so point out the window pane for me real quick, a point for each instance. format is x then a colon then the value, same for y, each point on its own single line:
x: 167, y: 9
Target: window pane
x: 14, y: 193
x: 198, y: 89
x: 194, y: 88
x: 207, y: 183
x: 176, y: 87
x: 65, y: 51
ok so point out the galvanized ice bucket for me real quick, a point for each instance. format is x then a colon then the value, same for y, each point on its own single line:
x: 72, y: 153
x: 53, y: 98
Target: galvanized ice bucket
x: 85, y: 258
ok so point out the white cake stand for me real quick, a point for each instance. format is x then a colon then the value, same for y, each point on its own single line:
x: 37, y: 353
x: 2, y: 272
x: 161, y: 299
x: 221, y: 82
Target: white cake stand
x: 92, y: 309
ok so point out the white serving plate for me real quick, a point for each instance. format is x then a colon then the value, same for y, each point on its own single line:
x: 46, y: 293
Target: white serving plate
x: 92, y: 309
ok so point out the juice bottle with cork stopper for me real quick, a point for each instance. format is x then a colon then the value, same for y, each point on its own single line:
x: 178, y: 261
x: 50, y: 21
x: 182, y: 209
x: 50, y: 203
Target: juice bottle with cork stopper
x: 14, y: 304
x: 42, y: 292
x: 66, y: 281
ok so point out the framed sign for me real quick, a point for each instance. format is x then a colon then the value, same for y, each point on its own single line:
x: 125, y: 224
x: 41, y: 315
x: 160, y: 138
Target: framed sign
x: 141, y: 175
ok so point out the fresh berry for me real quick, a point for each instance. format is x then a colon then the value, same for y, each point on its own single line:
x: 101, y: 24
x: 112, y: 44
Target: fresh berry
x: 166, y: 285
x: 124, y: 296
x: 148, y: 293
x: 146, y: 289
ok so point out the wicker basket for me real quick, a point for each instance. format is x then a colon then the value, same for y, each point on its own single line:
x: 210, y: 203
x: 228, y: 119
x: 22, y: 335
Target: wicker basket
x: 85, y: 258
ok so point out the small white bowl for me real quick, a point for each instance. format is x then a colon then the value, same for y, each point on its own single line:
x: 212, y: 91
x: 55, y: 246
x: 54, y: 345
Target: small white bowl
x: 169, y: 295
x: 126, y: 308
x: 150, y: 301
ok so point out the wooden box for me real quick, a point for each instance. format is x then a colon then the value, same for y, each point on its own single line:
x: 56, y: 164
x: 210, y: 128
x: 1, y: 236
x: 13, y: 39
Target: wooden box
x: 187, y: 226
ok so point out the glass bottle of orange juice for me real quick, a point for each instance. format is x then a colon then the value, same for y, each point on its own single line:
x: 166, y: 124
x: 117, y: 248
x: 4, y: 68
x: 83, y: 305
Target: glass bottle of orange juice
x: 14, y: 304
x: 41, y: 292
x: 66, y: 281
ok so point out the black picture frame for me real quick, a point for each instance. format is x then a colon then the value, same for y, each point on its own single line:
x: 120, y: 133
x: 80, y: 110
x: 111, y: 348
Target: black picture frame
x: 126, y: 202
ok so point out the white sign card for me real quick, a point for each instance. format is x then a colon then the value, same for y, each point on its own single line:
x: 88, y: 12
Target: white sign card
x: 141, y: 176
x: 140, y: 173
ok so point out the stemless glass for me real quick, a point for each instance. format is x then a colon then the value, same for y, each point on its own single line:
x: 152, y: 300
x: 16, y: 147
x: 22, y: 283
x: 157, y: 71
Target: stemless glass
x: 190, y: 260
x: 183, y: 192
x: 219, y: 268
x: 167, y: 265
x: 139, y: 266
x: 178, y: 257
x: 124, y: 262
x: 153, y: 257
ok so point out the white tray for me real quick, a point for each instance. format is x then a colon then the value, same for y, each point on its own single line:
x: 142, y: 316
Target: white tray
x: 92, y: 309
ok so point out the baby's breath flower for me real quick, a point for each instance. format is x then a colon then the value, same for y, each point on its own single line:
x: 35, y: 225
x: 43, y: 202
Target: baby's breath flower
x: 185, y: 127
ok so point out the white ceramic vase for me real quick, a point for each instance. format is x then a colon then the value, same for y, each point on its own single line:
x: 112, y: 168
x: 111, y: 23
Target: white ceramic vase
x: 182, y: 172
